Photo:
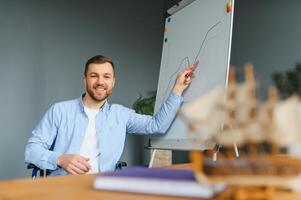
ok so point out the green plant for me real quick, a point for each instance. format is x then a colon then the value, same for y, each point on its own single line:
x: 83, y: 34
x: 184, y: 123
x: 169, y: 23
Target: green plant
x: 145, y: 105
x: 288, y: 82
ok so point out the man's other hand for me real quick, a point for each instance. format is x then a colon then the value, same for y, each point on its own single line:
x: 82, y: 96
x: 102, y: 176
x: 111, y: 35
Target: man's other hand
x: 74, y: 164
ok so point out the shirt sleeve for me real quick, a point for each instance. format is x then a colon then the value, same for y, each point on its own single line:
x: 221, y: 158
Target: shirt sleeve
x: 160, y: 122
x: 37, y: 149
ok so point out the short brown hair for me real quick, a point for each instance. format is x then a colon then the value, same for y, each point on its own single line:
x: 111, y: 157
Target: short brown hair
x: 99, y: 59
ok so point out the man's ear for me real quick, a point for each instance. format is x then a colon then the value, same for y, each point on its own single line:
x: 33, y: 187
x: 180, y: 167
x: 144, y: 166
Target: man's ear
x: 114, y: 82
x: 84, y: 81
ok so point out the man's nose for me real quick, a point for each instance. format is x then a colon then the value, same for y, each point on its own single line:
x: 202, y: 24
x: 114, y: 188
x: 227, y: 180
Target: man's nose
x: 100, y: 81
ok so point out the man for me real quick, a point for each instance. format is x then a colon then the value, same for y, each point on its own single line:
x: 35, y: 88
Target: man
x: 87, y: 135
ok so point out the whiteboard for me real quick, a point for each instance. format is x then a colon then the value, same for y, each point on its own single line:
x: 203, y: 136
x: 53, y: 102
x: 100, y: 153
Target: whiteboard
x: 198, y: 33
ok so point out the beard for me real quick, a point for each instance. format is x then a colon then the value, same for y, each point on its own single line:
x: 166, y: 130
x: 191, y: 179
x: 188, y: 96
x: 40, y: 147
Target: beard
x: 96, y: 96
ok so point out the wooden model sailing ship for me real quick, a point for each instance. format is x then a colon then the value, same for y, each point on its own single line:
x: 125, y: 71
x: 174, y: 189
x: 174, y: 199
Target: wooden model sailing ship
x: 232, y: 116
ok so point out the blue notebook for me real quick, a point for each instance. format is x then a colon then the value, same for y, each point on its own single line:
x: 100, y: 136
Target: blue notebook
x: 158, y: 181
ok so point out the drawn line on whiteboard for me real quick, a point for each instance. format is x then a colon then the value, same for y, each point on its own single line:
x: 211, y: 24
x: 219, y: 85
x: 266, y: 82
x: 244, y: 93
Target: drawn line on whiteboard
x: 203, y: 46
x: 206, y: 38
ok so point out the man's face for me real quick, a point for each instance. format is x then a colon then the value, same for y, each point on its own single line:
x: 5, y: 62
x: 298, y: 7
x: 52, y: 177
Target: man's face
x: 99, y: 81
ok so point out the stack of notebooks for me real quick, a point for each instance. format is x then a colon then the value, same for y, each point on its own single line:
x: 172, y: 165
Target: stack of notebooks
x: 158, y: 181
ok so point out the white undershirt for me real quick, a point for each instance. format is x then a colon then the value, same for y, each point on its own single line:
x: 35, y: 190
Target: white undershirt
x: 90, y: 145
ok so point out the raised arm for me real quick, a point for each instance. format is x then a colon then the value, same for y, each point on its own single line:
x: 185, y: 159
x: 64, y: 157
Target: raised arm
x: 160, y: 122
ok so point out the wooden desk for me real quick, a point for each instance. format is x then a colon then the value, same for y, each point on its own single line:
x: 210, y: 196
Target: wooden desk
x: 67, y: 188
x: 80, y: 187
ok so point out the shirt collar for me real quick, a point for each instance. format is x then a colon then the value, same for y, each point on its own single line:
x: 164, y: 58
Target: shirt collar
x: 104, y: 107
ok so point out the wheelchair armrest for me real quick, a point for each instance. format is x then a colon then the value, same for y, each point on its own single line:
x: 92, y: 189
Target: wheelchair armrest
x: 31, y: 166
x: 36, y: 169
x: 120, y: 165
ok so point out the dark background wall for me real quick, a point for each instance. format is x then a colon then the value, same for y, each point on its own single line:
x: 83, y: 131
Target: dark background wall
x: 44, y: 45
x: 266, y: 33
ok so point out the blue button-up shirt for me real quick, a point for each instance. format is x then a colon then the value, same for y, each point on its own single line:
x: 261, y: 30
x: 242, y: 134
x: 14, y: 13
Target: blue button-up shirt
x: 62, y: 129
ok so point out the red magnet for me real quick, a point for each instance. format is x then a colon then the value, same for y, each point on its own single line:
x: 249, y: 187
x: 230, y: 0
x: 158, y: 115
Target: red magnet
x: 229, y: 7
